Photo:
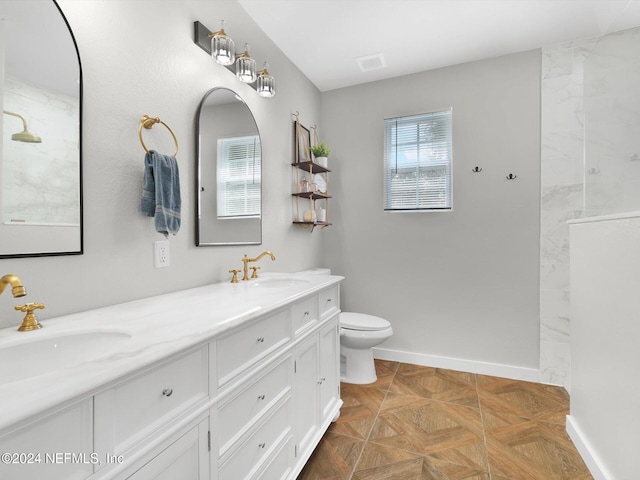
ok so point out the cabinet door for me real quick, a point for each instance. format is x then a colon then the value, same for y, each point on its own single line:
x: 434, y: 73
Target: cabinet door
x: 329, y: 368
x: 305, y: 392
x: 59, y: 445
x: 185, y: 459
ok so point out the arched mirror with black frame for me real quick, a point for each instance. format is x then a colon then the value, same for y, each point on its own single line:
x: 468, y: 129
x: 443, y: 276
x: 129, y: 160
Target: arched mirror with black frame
x: 229, y: 172
x: 41, y: 146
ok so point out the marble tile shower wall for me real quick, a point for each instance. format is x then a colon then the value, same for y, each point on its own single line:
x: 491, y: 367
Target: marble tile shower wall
x: 612, y: 129
x: 28, y: 168
x: 562, y: 192
x: 590, y: 165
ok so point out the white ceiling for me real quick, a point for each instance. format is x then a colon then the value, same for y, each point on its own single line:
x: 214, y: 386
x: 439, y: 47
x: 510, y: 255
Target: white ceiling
x: 323, y: 38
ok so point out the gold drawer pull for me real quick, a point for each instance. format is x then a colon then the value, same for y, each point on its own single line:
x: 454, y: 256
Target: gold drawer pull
x: 262, y: 445
x: 306, y: 314
x: 167, y: 392
x: 260, y: 339
x: 261, y: 397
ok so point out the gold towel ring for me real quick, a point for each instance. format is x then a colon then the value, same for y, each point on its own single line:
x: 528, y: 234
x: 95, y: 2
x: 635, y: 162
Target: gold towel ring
x: 147, y: 122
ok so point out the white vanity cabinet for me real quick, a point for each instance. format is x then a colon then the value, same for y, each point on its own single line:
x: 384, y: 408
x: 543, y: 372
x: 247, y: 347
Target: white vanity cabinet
x: 275, y: 402
x: 316, y: 387
x: 305, y: 391
x: 248, y: 401
x: 44, y: 447
x: 145, y: 404
x: 250, y: 375
x: 329, y: 370
x: 186, y: 458
x: 151, y: 409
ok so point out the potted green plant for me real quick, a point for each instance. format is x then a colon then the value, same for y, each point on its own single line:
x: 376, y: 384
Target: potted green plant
x: 321, y: 151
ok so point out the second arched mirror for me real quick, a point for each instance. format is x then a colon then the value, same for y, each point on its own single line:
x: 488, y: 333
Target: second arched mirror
x: 229, y: 172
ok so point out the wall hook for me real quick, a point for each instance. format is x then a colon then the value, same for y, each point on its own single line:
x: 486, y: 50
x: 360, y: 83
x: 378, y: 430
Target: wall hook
x: 511, y: 176
x: 476, y: 170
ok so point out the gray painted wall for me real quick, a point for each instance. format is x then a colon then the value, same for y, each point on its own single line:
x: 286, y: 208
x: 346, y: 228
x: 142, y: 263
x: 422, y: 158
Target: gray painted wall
x: 460, y: 284
x: 139, y: 58
x: 464, y: 284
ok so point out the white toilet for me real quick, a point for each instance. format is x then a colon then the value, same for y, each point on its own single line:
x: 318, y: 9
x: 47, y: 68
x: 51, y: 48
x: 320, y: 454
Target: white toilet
x: 359, y: 333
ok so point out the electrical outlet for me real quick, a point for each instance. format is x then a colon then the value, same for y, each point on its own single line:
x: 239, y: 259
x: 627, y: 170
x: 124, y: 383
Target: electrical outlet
x: 161, y: 253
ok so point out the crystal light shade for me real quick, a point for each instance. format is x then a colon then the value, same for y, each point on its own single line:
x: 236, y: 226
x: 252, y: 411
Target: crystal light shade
x: 246, y: 67
x: 266, y: 86
x: 222, y: 50
x: 222, y: 47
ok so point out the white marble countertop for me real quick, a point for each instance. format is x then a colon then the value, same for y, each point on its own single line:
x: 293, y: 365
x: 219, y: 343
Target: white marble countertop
x: 159, y: 327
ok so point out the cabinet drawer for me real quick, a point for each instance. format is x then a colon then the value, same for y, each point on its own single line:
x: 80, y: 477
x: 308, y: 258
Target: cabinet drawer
x: 143, y: 404
x: 185, y: 459
x: 279, y: 467
x: 237, y: 411
x: 259, y: 446
x: 242, y: 348
x: 329, y: 301
x: 305, y: 314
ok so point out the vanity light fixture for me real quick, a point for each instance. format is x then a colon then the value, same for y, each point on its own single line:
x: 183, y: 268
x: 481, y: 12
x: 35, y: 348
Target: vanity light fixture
x: 24, y: 136
x: 221, y: 48
x: 266, y: 85
x: 246, y: 66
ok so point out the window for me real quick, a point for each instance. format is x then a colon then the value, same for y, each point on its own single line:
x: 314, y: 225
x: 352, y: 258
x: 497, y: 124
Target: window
x: 417, y: 162
x: 239, y: 177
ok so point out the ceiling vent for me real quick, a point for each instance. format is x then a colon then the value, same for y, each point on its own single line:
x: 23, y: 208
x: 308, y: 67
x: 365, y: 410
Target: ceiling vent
x: 368, y: 63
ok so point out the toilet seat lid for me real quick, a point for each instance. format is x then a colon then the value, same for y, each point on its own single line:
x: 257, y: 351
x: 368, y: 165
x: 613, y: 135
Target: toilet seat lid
x: 362, y: 321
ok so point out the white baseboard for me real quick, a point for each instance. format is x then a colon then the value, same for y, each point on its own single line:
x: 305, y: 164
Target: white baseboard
x: 585, y: 450
x: 463, y: 365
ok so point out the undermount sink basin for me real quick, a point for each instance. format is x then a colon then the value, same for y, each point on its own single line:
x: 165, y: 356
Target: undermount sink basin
x: 279, y: 282
x: 46, y: 354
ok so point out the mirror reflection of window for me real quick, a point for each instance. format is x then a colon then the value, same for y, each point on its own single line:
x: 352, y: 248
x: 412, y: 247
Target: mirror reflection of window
x: 229, y: 206
x: 239, y: 177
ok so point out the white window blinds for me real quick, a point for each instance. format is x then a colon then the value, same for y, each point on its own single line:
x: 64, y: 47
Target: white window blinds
x: 238, y: 170
x: 417, y: 162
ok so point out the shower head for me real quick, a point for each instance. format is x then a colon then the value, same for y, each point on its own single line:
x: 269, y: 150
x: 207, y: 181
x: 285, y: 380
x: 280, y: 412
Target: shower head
x: 24, y: 136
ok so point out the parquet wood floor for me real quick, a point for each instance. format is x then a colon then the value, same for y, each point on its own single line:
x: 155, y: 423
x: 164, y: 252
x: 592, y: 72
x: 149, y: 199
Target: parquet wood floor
x: 422, y: 423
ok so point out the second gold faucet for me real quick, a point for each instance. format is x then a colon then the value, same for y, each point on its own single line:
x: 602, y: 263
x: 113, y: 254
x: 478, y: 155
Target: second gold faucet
x: 246, y: 260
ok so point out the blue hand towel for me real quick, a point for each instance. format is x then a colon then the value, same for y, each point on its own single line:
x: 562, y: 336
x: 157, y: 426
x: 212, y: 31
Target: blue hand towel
x: 161, y: 192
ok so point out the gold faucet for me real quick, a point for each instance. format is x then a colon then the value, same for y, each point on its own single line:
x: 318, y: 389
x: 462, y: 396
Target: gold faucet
x: 18, y: 289
x: 30, y: 321
x: 246, y: 260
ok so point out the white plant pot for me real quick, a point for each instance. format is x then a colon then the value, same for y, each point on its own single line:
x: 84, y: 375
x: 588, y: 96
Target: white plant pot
x: 322, y: 161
